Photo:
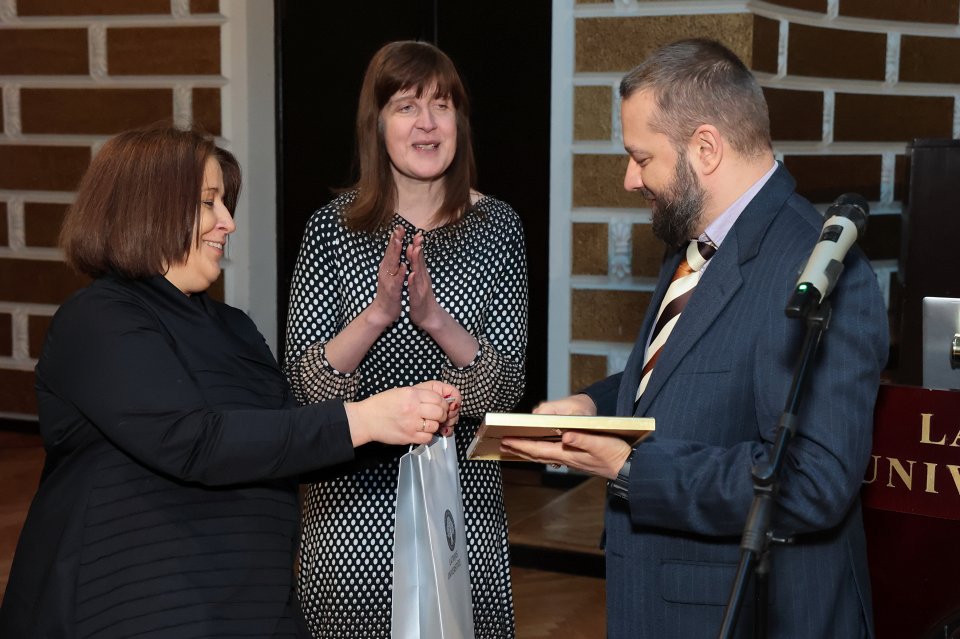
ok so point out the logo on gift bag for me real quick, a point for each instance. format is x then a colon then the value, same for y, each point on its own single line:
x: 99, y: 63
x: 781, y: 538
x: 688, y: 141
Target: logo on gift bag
x: 450, y: 529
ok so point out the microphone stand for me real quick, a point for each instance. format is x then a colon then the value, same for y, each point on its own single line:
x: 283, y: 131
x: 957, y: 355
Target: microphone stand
x: 757, y: 536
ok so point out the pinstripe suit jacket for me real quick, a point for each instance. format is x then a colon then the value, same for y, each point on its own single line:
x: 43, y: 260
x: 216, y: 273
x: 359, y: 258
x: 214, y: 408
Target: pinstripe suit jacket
x: 717, y: 392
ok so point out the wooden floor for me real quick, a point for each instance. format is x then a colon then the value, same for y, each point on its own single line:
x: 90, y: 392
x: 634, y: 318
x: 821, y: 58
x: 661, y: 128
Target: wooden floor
x: 557, y: 529
x: 558, y: 532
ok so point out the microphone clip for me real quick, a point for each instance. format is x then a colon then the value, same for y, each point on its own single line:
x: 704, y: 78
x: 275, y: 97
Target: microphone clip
x: 806, y: 297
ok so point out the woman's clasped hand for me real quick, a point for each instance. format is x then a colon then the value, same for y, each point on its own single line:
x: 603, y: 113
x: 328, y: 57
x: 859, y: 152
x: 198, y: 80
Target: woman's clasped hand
x: 411, y: 415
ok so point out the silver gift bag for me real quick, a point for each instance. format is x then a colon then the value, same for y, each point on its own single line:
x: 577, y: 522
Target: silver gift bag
x: 431, y: 582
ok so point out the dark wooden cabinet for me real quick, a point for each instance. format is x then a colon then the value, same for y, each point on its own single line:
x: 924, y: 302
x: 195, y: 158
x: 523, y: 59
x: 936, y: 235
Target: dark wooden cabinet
x: 929, y: 256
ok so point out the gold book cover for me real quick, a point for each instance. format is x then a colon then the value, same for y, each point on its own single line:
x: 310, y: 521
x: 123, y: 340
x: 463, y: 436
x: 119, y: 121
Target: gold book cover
x: 496, y: 426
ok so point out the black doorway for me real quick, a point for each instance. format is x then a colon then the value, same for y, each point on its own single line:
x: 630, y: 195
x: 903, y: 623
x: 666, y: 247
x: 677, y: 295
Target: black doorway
x: 502, y: 50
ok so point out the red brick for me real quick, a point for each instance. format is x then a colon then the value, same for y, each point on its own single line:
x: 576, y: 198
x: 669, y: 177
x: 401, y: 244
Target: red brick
x: 204, y: 6
x: 589, y: 249
x: 42, y: 168
x: 648, y: 251
x: 19, y: 433
x: 939, y: 11
x: 37, y: 326
x: 926, y: 59
x: 606, y: 315
x: 821, y: 178
x: 879, y: 118
x: 6, y: 334
x: 98, y: 111
x: 795, y: 115
x: 53, y: 168
x: 836, y: 53
x: 17, y: 394
x: 608, y: 44
x: 91, y: 7
x: 4, y: 238
x: 766, y: 43
x: 585, y: 370
x: 818, y: 6
x: 163, y: 51
x: 43, y: 52
x: 38, y: 281
x: 42, y: 223
x: 206, y: 109
x: 592, y: 107
x: 598, y: 181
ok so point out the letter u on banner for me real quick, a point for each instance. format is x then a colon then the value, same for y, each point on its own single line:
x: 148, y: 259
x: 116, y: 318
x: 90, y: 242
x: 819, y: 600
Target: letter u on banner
x: 431, y: 579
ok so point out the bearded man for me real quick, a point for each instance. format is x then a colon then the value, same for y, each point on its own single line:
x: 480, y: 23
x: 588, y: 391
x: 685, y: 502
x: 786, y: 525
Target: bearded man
x: 713, y: 365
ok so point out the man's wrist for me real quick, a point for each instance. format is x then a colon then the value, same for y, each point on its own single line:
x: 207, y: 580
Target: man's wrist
x: 619, y: 486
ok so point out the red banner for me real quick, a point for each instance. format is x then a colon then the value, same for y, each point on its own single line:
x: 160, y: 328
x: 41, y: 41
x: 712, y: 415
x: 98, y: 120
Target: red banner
x: 915, y: 464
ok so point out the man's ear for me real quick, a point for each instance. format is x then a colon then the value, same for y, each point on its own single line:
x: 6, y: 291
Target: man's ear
x: 707, y: 148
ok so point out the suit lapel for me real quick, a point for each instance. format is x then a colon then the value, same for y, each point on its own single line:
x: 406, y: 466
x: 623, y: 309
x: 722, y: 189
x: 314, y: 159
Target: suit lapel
x: 719, y: 284
x: 716, y: 288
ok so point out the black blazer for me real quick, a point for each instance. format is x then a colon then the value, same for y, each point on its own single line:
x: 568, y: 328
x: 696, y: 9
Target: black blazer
x: 166, y: 505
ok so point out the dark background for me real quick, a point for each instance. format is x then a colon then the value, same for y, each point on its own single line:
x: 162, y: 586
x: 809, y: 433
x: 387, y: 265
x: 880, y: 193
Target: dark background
x: 502, y: 51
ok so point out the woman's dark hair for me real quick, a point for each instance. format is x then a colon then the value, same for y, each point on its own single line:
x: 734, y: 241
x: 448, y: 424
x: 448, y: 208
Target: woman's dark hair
x: 399, y: 66
x: 136, y: 210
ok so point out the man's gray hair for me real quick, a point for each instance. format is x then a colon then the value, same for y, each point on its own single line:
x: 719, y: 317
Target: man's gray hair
x: 696, y: 82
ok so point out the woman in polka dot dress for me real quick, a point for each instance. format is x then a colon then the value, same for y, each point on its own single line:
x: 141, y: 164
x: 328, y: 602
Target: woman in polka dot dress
x: 409, y: 276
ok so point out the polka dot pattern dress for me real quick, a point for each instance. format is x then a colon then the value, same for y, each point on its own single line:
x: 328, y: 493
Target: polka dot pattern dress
x: 478, y: 269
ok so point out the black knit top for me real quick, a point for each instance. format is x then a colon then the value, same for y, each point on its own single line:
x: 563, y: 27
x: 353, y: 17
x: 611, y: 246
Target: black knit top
x: 166, y: 507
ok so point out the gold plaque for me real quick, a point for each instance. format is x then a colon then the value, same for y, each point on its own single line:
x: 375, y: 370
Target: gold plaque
x: 496, y: 426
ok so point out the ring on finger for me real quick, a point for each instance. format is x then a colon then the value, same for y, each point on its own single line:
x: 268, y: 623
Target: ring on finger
x: 391, y: 274
x: 423, y: 424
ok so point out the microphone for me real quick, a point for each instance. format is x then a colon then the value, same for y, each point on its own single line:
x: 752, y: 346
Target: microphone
x: 846, y: 220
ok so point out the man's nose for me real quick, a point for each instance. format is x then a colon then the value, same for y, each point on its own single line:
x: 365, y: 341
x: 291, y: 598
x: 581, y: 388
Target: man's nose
x: 632, y: 180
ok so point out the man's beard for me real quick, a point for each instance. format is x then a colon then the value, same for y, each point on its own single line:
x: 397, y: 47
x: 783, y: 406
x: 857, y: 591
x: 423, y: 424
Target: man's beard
x: 677, y: 210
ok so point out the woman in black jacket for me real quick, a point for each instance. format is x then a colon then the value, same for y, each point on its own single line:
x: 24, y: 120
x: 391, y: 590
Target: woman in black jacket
x: 168, y: 503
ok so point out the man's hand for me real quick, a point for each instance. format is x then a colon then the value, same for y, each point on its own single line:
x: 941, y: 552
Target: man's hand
x: 579, y: 404
x: 602, y: 455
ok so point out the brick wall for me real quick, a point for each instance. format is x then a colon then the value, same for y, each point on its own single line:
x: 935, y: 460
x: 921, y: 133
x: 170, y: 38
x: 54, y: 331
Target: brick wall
x: 72, y: 73
x: 849, y: 83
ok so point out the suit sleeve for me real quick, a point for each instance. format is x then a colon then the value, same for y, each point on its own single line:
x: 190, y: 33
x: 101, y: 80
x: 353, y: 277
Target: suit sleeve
x: 604, y: 394
x: 110, y: 360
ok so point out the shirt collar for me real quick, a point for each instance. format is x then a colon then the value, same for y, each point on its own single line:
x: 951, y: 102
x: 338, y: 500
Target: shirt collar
x: 718, y: 229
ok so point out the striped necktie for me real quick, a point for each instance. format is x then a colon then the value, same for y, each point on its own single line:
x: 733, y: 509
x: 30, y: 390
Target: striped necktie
x: 678, y: 294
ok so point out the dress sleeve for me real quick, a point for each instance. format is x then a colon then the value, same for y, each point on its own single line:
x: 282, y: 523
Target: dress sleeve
x: 315, y: 316
x: 494, y: 381
x: 110, y: 361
